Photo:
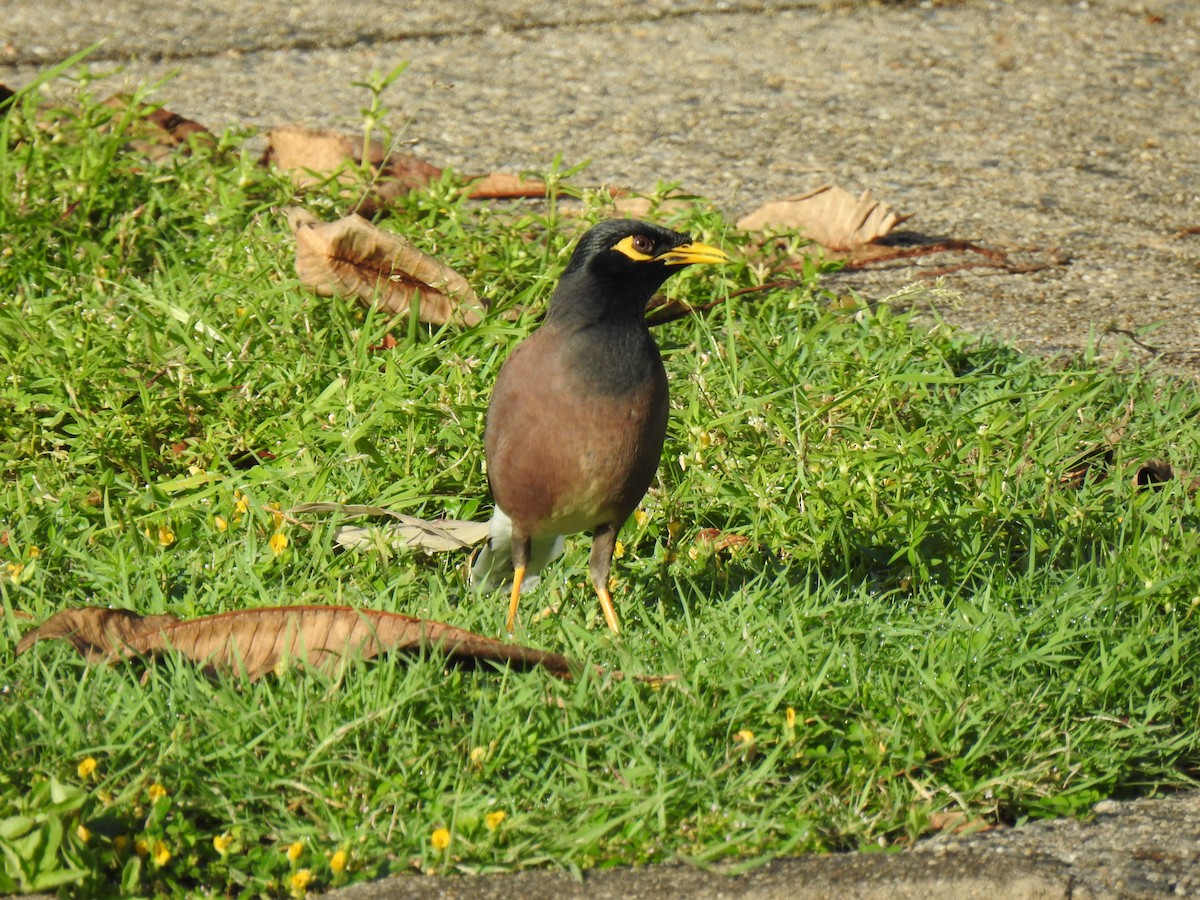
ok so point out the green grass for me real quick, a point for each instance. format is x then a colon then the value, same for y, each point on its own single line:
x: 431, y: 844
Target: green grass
x: 929, y: 614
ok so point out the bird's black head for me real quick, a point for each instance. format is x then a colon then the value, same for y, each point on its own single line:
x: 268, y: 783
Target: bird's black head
x: 619, y: 264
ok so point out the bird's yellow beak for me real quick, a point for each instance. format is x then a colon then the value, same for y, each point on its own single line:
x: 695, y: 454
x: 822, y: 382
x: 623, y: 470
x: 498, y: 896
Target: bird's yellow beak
x: 692, y: 254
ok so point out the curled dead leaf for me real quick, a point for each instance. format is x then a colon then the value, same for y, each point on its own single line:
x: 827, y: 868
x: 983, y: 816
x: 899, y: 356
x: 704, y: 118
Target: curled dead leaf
x: 433, y: 536
x: 717, y: 541
x: 1153, y: 473
x: 156, y: 132
x: 94, y: 631
x: 636, y: 206
x: 307, y: 154
x: 388, y: 342
x: 430, y: 537
x: 829, y: 215
x: 502, y: 186
x: 312, y: 155
x: 352, y: 257
x: 1097, y: 464
x: 257, y: 641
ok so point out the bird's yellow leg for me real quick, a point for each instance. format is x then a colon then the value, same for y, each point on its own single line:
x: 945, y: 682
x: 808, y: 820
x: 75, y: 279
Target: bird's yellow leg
x: 604, y: 539
x: 518, y: 577
x: 606, y: 605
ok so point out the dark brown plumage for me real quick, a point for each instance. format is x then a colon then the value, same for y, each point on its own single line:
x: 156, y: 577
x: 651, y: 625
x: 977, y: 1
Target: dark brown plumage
x: 578, y: 416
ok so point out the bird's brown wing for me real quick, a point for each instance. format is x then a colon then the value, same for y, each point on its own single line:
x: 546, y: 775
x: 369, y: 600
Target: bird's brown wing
x: 562, y: 456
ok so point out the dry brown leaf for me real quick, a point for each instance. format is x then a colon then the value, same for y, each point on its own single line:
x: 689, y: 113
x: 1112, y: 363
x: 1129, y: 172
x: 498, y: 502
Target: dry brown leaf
x: 408, y: 172
x: 718, y: 541
x: 829, y: 215
x: 156, y: 132
x: 307, y: 154
x: 95, y: 632
x: 1153, y: 473
x: 352, y: 257
x: 403, y: 174
x: 398, y: 178
x: 311, y: 155
x: 501, y: 186
x: 387, y: 342
x: 433, y: 536
x: 638, y: 207
x: 256, y: 642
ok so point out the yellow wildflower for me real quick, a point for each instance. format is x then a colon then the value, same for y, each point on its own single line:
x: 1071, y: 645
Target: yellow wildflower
x: 14, y: 570
x: 790, y: 717
x: 162, y: 855
x: 641, y: 517
x: 156, y: 792
x: 294, y: 850
x: 493, y: 819
x: 338, y: 861
x: 166, y: 537
x: 34, y: 552
x: 279, y: 542
x: 87, y: 767
x: 240, y: 504
x: 440, y: 838
x: 301, y: 879
x: 477, y: 756
x: 141, y: 847
x: 81, y: 832
x: 673, y: 528
x: 219, y: 523
x: 221, y: 842
x: 618, y: 550
x: 745, y: 744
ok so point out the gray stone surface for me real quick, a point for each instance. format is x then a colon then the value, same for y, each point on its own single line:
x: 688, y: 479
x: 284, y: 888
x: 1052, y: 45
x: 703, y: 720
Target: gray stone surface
x: 1065, y: 127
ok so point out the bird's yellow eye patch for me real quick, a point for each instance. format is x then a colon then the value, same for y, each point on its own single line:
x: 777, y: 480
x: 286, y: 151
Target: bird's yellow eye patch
x: 637, y: 247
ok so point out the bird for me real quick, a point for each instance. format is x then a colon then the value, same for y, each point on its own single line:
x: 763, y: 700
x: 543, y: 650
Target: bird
x: 578, y: 413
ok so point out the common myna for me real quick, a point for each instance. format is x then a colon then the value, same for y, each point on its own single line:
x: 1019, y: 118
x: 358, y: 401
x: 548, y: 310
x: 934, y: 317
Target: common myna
x: 577, y: 419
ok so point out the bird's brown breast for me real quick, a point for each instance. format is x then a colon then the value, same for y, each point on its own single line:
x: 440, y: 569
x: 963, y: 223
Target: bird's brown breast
x: 566, y: 452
